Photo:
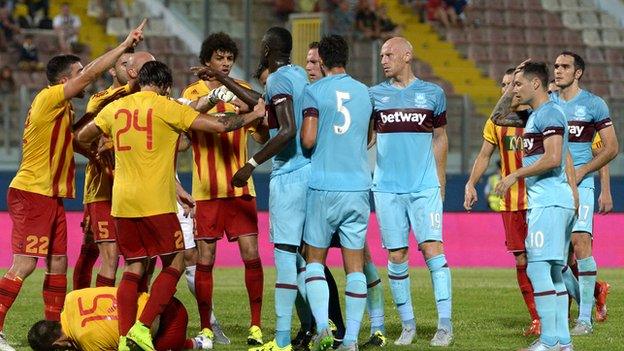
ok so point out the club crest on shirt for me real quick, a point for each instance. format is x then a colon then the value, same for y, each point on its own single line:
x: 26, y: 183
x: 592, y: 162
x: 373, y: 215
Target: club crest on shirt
x: 420, y: 100
x: 580, y: 111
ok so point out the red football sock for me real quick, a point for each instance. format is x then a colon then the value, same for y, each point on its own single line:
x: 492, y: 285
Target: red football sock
x: 103, y: 281
x: 84, y: 266
x: 127, y: 296
x: 597, y: 289
x: 189, y: 344
x: 254, y: 281
x: 9, y: 289
x: 171, y: 333
x: 163, y: 290
x: 203, y: 293
x: 527, y: 290
x: 147, y: 276
x: 54, y: 290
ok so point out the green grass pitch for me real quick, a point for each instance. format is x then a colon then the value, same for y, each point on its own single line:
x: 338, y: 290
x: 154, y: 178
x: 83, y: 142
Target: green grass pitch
x: 488, y: 311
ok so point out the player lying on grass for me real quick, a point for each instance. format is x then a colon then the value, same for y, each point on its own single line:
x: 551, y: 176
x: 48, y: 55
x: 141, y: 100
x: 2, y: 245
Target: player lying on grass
x: 90, y: 318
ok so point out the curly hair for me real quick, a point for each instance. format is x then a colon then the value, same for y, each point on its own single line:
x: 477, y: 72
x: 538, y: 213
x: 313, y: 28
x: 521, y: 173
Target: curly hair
x: 217, y: 42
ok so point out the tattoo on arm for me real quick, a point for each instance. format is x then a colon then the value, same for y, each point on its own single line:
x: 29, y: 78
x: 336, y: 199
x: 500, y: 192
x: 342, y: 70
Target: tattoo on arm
x: 231, y: 122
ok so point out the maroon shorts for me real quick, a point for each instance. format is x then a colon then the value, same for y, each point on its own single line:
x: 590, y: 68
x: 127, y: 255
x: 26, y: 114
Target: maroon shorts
x: 234, y: 217
x: 98, y: 220
x: 39, y: 226
x: 149, y: 236
x: 515, y: 230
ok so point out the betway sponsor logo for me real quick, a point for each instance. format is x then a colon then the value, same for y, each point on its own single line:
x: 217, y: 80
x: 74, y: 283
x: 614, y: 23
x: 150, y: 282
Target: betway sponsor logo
x: 577, y: 131
x: 400, y: 116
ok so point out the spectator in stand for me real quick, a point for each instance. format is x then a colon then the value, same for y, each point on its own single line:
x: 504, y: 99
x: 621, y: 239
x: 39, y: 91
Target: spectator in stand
x: 387, y: 28
x: 283, y: 8
x: 7, y: 81
x: 67, y: 26
x: 366, y: 21
x: 448, y: 12
x: 419, y: 6
x: 341, y: 20
x: 8, y: 28
x: 38, y: 10
x: 29, y: 56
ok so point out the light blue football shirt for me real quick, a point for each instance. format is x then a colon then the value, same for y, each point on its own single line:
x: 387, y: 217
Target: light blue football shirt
x: 404, y: 121
x: 288, y: 82
x: 586, y: 114
x: 550, y: 188
x: 343, y: 108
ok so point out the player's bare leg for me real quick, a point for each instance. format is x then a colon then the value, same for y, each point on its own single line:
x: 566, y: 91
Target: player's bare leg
x: 582, y: 244
x: 433, y: 252
x: 254, y: 281
x: 109, y: 254
x: 527, y: 293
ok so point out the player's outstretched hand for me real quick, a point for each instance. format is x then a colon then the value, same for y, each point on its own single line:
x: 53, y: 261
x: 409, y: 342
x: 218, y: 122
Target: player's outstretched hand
x: 470, y: 197
x: 136, y: 36
x: 503, y: 186
x: 240, y: 178
x: 204, y: 73
x: 521, y: 65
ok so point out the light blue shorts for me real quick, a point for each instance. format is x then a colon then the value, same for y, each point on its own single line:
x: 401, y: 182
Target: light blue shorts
x: 549, y: 231
x: 345, y: 212
x: 287, y: 206
x: 585, y: 220
x: 396, y: 212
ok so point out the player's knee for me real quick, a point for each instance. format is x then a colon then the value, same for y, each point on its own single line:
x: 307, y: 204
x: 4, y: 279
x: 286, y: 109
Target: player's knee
x: 431, y: 249
x: 190, y: 257
x: 521, y: 259
x: 23, y: 266
x: 287, y: 248
x: 249, y: 249
x: 57, y: 264
x: 398, y: 256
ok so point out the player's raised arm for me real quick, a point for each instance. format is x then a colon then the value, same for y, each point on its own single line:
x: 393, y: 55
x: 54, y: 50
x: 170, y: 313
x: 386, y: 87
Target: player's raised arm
x: 503, y: 108
x: 220, y: 123
x: 95, y: 68
x: 248, y: 96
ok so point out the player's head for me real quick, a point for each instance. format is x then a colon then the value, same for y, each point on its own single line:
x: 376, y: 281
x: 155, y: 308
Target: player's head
x: 396, y: 56
x: 276, y: 46
x: 65, y: 10
x: 135, y: 63
x: 48, y: 335
x: 218, y: 52
x: 569, y: 68
x: 531, y: 81
x: 156, y: 76
x: 552, y: 87
x: 313, y: 62
x: 507, y: 79
x: 119, y: 71
x: 334, y: 52
x: 62, y: 68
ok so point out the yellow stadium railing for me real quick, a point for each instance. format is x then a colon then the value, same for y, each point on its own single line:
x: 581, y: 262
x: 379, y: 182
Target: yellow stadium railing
x: 305, y: 28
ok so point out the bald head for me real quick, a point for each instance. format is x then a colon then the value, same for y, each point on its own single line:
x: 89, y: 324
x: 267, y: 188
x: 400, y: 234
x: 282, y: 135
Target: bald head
x: 136, y: 61
x: 396, y: 57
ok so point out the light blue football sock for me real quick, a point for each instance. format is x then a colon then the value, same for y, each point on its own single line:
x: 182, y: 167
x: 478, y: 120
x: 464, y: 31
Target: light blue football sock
x: 545, y: 300
x: 441, y: 282
x: 374, y: 298
x: 316, y: 286
x: 563, y: 331
x: 355, y: 303
x: 398, y: 275
x: 285, y: 294
x: 571, y: 284
x: 587, y: 282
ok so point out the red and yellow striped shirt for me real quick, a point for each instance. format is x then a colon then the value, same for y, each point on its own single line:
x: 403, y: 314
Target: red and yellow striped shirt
x: 509, y: 142
x: 217, y: 156
x: 47, y: 165
x: 98, y: 185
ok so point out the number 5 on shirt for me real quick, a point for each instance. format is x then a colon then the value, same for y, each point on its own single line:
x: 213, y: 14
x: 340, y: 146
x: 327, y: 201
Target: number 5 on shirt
x: 341, y: 96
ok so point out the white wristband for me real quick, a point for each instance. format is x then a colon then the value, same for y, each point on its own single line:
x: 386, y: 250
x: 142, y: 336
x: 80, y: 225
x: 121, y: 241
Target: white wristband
x: 253, y: 162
